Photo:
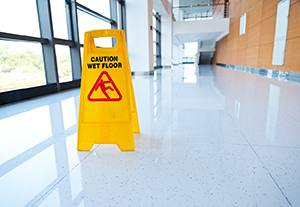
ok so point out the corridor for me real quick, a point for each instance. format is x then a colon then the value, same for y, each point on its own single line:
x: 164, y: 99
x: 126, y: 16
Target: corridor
x: 210, y: 136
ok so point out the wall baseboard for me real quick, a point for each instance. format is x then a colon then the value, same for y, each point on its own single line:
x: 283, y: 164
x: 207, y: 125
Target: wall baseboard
x: 284, y: 76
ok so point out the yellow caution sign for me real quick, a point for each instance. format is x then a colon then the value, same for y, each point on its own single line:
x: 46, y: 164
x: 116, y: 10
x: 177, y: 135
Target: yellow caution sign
x: 107, y: 112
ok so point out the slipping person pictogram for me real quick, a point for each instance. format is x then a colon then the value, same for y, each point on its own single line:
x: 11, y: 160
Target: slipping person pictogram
x: 103, y: 88
x: 102, y: 84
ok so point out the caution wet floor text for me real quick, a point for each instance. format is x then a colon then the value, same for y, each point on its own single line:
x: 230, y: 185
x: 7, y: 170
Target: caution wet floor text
x: 107, y: 112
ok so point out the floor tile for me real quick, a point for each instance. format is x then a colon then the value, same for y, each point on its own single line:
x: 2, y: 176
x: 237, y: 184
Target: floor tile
x: 210, y: 136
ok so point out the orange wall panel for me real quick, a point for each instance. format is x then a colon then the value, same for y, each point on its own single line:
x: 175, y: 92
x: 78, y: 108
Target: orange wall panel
x: 234, y: 14
x: 294, y: 1
x: 294, y: 21
x: 292, y: 55
x: 234, y: 43
x: 255, y: 15
x: 255, y: 47
x: 236, y: 29
x: 269, y: 8
x: 252, y: 56
x: 265, y: 55
x: 253, y: 36
x: 241, y: 57
x: 233, y: 57
x: 253, y: 2
x: 267, y: 30
x: 244, y: 6
x: 243, y: 41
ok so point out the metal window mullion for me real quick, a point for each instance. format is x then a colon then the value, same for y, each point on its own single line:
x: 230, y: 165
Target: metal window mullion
x: 46, y: 30
x: 92, y: 12
x: 73, y: 34
x: 113, y: 14
x: 59, y: 41
x: 114, y: 17
x: 119, y: 15
x: 123, y: 15
x: 158, y: 36
x: 10, y: 36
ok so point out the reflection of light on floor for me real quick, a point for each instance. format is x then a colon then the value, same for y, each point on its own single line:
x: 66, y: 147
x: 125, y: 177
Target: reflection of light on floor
x: 155, y: 110
x: 155, y: 87
x: 189, y: 75
x: 69, y: 112
x: 35, y: 173
x: 273, y: 109
x: 237, y: 106
x: 18, y: 136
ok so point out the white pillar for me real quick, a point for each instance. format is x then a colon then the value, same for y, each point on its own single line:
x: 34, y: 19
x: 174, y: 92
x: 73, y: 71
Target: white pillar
x: 176, y: 54
x: 139, y: 35
x: 167, y: 36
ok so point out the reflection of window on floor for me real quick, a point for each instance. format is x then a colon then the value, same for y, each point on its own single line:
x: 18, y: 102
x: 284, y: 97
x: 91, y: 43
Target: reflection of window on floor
x: 189, y: 52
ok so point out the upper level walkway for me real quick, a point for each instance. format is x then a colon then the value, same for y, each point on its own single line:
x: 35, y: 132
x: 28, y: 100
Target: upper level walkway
x: 202, y: 23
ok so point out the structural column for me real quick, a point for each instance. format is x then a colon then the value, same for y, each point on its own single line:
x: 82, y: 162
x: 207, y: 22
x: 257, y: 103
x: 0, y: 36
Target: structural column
x: 166, y: 35
x: 140, y: 35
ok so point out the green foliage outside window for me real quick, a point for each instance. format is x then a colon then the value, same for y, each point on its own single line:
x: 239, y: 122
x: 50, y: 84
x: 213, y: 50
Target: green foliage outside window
x: 26, y: 61
x: 24, y: 68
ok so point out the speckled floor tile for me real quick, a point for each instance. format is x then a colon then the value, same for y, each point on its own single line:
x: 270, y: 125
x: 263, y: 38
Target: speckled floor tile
x: 209, y: 136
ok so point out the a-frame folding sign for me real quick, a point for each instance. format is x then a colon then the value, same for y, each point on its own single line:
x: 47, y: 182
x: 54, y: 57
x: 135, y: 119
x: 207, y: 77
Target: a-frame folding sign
x: 107, y: 112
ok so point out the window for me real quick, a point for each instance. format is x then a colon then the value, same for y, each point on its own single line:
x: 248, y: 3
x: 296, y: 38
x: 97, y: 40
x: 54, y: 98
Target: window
x: 27, y: 52
x: 243, y: 24
x: 102, y: 7
x: 63, y: 63
x: 58, y: 12
x: 21, y: 65
x: 282, y: 18
x: 93, y: 24
x: 27, y: 22
x: 154, y: 54
x: 156, y: 39
x: 189, y: 51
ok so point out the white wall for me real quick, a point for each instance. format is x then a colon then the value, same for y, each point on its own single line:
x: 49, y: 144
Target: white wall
x: 175, y: 3
x: 167, y: 37
x: 150, y: 32
x: 176, y: 54
x: 190, y: 27
x: 166, y: 40
x: 161, y: 6
x: 139, y: 35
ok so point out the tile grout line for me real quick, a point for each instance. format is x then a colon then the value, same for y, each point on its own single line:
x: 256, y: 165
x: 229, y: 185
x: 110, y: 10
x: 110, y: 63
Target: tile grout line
x: 260, y: 161
x: 62, y: 178
x: 256, y: 154
x: 268, y: 172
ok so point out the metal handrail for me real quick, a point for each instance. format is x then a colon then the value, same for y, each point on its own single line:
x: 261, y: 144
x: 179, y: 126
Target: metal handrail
x: 199, y: 5
x: 201, y: 11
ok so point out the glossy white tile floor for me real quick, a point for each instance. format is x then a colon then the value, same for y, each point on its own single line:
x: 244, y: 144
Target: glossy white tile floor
x: 209, y: 137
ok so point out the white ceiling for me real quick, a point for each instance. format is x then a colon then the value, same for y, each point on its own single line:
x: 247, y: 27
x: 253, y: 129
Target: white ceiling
x: 183, y: 38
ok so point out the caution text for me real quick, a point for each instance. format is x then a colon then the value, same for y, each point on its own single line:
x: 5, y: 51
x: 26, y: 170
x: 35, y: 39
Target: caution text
x: 104, y: 65
x: 104, y: 62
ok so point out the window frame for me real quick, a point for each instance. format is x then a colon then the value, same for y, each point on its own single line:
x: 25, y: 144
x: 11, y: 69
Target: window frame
x: 48, y: 42
x: 157, y: 30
